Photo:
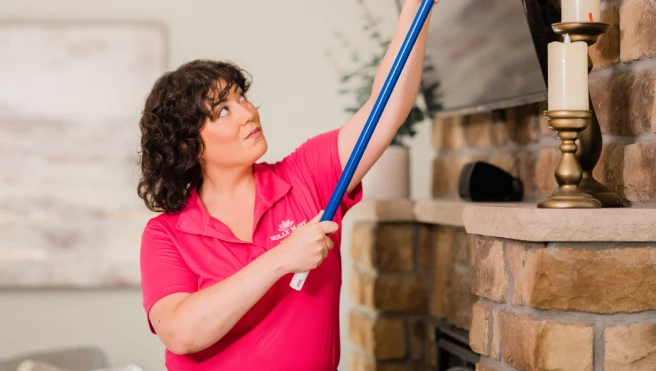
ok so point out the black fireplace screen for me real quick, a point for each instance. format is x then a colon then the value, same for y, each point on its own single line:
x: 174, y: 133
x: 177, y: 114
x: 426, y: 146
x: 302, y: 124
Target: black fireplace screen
x: 453, y: 351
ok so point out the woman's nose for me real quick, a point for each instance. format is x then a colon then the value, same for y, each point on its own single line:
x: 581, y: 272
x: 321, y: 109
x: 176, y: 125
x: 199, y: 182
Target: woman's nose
x: 245, y: 115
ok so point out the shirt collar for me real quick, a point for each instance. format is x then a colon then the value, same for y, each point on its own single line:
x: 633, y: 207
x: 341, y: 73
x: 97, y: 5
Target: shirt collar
x: 269, y: 188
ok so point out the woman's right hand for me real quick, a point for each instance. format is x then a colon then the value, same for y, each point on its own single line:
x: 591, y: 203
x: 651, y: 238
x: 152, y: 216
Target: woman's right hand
x: 307, y: 246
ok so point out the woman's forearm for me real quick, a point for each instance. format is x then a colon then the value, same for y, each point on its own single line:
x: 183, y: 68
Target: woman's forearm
x: 196, y: 321
x: 400, y: 101
x: 407, y: 86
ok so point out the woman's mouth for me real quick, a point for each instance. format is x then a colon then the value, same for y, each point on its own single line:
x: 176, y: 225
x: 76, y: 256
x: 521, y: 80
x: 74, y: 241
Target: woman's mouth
x: 254, y: 133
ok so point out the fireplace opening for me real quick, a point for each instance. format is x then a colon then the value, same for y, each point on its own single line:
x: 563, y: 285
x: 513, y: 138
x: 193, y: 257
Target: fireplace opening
x: 453, y: 351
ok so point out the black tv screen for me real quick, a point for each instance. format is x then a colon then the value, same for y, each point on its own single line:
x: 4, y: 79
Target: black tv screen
x: 484, y: 55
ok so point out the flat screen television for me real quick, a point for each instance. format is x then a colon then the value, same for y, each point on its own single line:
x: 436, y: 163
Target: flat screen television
x: 484, y: 55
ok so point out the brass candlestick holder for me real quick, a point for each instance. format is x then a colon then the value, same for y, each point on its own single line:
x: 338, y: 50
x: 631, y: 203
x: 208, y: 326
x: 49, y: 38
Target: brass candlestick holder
x: 568, y: 124
x: 590, y: 141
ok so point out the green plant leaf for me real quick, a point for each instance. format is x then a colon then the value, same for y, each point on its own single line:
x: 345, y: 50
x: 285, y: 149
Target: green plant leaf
x: 358, y: 82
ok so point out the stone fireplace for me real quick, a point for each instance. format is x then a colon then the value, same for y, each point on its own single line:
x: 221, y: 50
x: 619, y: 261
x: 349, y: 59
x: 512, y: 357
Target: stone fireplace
x: 564, y: 289
x: 411, y: 285
x: 528, y: 289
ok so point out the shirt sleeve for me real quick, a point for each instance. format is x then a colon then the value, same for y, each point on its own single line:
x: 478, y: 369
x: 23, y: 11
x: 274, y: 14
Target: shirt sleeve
x: 316, y: 162
x: 163, y: 269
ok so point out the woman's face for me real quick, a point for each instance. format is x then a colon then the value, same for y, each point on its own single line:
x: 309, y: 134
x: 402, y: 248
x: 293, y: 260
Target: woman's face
x: 235, y: 137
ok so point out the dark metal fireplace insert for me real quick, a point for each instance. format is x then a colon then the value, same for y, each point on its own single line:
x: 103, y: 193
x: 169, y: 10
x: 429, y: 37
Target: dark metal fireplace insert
x: 453, y: 351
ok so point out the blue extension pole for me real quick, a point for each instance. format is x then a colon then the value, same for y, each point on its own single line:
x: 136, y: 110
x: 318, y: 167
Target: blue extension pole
x: 372, y: 121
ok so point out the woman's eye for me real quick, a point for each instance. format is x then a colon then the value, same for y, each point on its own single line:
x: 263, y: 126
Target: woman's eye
x: 223, y: 112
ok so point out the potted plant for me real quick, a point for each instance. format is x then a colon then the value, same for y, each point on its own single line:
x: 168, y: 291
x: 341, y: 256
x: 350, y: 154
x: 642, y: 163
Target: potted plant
x: 389, y: 178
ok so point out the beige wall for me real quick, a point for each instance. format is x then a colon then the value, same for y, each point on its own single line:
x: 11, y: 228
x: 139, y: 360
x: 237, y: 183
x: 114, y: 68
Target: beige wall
x: 110, y: 319
x: 282, y: 44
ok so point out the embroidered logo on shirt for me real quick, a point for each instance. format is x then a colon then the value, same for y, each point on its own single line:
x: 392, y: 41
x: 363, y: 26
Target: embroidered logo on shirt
x: 285, y: 225
x: 286, y: 228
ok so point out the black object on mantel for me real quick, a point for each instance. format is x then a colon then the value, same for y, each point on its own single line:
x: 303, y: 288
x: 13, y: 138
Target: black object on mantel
x: 484, y: 182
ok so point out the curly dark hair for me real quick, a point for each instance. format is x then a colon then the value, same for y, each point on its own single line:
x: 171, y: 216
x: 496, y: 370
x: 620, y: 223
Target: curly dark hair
x: 175, y: 111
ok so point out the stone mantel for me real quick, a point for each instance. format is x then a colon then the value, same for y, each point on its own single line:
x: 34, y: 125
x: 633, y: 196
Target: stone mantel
x: 526, y: 222
x: 518, y: 221
x: 446, y: 211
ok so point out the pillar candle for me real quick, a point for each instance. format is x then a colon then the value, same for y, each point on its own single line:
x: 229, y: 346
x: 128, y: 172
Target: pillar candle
x: 580, y: 11
x: 568, y: 75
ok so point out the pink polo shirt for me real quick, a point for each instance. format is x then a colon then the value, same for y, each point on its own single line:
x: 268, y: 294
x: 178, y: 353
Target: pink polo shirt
x: 287, y: 329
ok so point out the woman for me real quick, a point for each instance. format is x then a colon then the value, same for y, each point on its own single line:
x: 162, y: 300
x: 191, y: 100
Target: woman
x: 217, y: 262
